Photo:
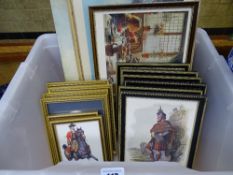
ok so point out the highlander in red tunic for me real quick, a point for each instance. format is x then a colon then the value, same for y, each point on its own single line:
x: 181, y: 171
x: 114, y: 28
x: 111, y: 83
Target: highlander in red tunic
x: 162, y: 135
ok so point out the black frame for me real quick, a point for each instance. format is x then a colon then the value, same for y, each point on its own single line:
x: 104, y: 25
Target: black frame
x: 193, y: 5
x: 151, y: 66
x: 123, y: 94
x: 171, y: 85
x: 178, y: 79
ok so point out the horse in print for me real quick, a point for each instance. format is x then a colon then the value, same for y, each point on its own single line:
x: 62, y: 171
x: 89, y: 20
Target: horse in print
x: 77, y: 147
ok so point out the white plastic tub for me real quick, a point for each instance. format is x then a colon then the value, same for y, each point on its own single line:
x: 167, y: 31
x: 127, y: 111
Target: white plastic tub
x: 216, y: 144
x: 23, y: 137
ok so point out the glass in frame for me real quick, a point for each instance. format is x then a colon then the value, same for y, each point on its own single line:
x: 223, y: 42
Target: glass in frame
x: 152, y: 33
x: 63, y: 105
x: 77, y: 137
x: 159, y: 126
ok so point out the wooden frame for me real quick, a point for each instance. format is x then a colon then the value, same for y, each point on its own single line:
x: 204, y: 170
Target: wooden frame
x: 137, y: 111
x: 119, y: 34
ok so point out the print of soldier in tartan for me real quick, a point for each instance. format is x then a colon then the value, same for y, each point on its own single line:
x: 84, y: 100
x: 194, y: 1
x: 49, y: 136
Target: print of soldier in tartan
x: 162, y: 137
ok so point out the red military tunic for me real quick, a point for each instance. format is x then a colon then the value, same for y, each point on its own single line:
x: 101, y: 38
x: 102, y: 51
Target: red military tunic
x: 70, y: 136
x: 162, y: 129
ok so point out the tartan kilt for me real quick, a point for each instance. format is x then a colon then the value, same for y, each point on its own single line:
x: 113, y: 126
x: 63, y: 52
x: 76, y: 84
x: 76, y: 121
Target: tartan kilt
x: 157, y: 146
x: 160, y: 146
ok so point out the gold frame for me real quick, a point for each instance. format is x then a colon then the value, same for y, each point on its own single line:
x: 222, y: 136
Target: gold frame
x: 83, y: 117
x: 79, y: 98
x: 74, y: 83
x: 78, y: 59
x: 88, y: 90
x: 68, y: 88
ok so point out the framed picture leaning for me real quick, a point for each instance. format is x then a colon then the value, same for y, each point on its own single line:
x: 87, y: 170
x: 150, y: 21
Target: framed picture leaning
x: 159, y: 126
x: 152, y: 33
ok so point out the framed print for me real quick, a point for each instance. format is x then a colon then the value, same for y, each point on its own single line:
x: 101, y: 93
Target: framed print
x: 134, y: 33
x: 60, y: 105
x: 154, y: 84
x: 119, y: 72
x: 69, y: 48
x: 160, y: 126
x: 161, y: 90
x: 64, y: 105
x: 81, y: 88
x: 159, y: 79
x: 150, y: 66
x: 77, y: 137
x: 78, y: 90
x: 77, y: 83
x: 167, y: 90
x: 157, y: 73
x: 105, y: 89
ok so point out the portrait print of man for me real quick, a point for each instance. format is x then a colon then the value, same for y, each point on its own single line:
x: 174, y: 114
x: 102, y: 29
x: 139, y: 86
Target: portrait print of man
x: 162, y: 137
x: 77, y: 147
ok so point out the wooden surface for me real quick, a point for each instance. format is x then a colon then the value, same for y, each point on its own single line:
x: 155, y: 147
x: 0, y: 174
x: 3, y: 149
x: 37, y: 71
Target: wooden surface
x: 12, y: 53
x: 223, y: 44
x: 14, y: 50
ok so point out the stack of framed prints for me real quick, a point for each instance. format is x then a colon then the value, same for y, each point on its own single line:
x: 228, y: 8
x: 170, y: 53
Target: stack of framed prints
x: 160, y: 112
x: 146, y: 51
x: 80, y: 120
